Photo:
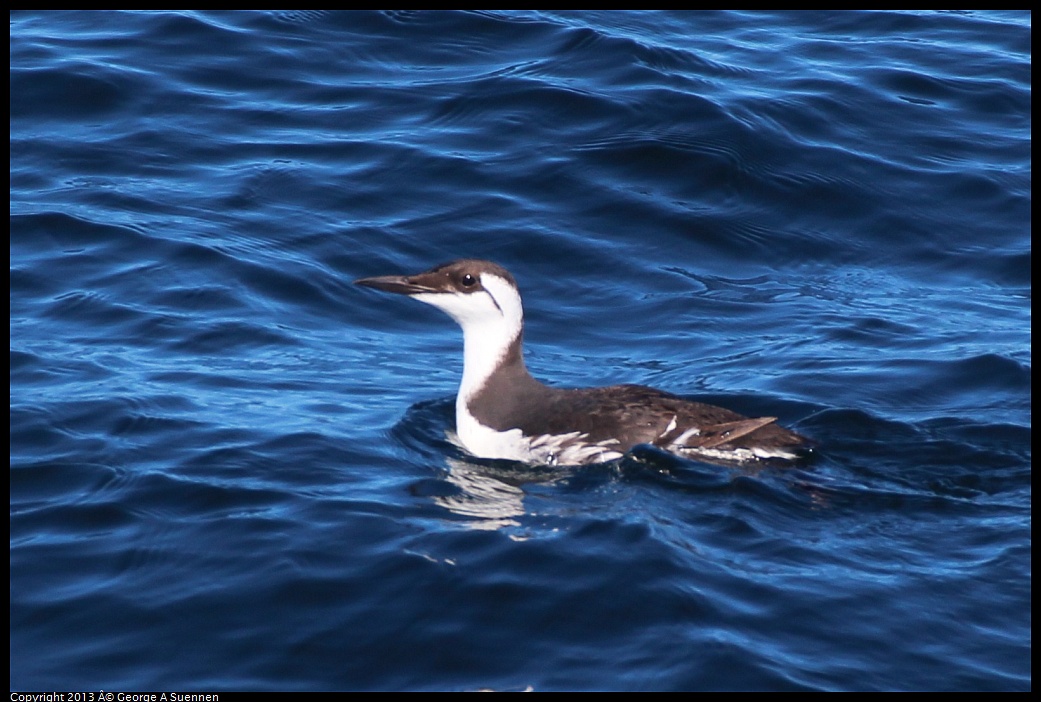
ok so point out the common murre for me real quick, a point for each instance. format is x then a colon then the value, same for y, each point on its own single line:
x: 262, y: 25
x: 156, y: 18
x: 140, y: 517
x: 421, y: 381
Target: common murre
x: 503, y: 412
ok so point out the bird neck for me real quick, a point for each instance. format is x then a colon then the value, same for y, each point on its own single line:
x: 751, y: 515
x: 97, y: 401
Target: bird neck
x: 490, y: 349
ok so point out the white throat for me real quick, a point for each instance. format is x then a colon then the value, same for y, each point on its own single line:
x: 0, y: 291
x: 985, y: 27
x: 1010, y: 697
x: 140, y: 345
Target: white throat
x: 492, y: 319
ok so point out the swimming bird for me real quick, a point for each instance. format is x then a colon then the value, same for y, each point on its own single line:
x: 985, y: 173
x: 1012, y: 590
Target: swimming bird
x: 503, y: 412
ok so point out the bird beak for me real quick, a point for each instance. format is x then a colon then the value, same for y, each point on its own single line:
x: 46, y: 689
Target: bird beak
x: 400, y: 284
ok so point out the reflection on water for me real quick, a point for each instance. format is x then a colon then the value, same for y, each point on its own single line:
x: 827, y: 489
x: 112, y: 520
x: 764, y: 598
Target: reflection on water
x: 493, y: 502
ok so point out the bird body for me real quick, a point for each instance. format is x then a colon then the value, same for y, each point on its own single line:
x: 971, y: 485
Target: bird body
x: 503, y: 412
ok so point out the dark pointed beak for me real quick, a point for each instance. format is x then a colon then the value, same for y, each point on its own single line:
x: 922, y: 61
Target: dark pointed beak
x: 400, y: 284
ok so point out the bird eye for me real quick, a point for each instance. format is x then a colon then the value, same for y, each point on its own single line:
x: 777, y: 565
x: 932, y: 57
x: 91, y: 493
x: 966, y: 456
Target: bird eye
x: 469, y: 281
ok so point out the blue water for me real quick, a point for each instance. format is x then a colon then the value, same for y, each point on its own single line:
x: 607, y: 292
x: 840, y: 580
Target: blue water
x: 232, y: 469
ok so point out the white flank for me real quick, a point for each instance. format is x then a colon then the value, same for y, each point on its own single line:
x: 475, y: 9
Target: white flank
x: 557, y: 449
